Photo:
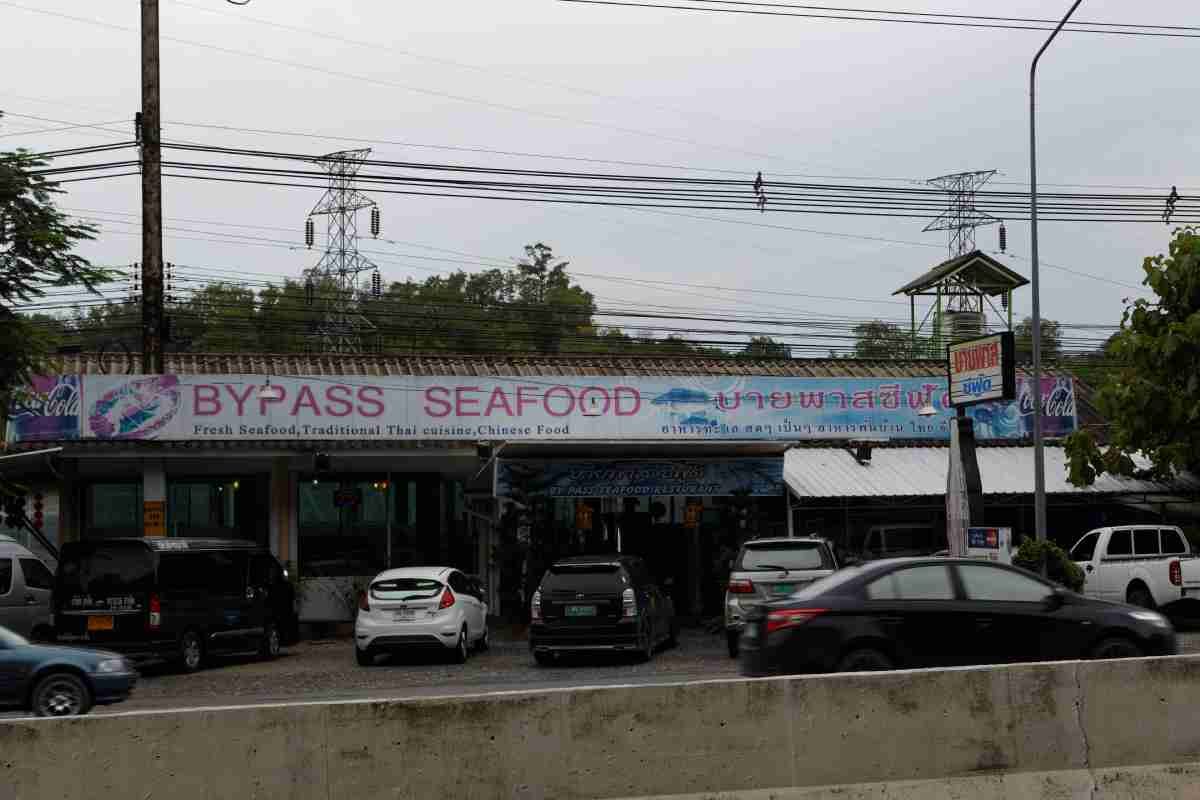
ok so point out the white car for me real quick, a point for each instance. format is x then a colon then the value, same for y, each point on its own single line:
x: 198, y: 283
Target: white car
x: 1144, y: 565
x: 404, y: 610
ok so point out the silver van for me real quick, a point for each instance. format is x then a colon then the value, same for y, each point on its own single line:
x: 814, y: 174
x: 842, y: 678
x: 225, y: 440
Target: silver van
x: 25, y: 588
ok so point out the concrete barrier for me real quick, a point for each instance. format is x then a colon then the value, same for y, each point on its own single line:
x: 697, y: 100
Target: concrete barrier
x: 1041, y: 730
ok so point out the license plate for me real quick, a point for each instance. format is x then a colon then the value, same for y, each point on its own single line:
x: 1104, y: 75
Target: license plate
x: 100, y: 623
x: 783, y: 588
x: 581, y: 611
x: 404, y: 614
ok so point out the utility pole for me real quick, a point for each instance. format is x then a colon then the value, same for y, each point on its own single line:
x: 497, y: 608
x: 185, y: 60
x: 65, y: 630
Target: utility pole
x: 1039, y: 455
x: 151, y: 155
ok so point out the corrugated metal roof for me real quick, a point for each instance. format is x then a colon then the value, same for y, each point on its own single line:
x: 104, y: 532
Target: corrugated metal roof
x: 921, y: 472
x: 508, y: 365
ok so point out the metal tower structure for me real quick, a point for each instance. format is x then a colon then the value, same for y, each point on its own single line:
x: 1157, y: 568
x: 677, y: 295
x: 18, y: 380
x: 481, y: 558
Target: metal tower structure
x: 961, y: 218
x: 335, y: 278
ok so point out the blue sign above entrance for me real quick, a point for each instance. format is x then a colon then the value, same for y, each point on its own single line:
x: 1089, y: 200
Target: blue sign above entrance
x: 751, y: 476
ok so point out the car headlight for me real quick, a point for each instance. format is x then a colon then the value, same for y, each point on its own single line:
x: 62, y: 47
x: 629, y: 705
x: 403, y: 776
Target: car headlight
x: 1155, y: 619
x: 112, y: 665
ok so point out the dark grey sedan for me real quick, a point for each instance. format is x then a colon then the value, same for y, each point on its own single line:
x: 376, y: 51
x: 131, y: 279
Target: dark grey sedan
x: 935, y: 612
x: 59, y: 681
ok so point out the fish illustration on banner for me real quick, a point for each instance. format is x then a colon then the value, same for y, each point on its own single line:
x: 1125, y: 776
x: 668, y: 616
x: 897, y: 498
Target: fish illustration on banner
x: 137, y: 409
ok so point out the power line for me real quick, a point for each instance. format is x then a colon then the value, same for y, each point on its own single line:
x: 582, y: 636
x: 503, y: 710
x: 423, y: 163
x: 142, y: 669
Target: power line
x: 856, y: 15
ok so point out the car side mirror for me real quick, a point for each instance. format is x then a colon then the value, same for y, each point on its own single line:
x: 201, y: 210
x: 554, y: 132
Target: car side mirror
x: 1055, y: 600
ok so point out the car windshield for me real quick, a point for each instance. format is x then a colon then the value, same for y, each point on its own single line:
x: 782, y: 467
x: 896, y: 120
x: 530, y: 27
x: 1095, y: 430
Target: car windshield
x: 583, y: 577
x: 785, y: 555
x: 405, y: 588
x: 10, y: 639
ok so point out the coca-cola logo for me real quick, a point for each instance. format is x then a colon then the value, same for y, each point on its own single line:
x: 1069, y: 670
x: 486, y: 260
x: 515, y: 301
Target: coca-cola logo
x: 1059, y: 402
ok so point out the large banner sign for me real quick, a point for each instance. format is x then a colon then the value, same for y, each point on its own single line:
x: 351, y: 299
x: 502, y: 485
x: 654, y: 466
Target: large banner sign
x: 405, y: 408
x: 752, y: 476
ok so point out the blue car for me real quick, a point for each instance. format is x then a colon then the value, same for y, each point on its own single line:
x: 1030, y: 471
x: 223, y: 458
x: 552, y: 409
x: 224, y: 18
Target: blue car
x: 59, y: 681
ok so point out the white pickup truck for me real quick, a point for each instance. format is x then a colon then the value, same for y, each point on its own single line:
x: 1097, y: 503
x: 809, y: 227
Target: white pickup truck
x: 1144, y: 565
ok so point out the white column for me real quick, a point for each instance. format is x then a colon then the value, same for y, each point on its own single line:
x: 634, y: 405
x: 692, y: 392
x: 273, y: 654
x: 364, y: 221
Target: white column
x: 154, y: 497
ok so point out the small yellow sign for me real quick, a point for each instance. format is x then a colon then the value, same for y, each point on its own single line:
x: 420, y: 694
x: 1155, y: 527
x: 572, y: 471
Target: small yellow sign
x: 154, y: 518
x: 583, y: 516
x: 694, y: 512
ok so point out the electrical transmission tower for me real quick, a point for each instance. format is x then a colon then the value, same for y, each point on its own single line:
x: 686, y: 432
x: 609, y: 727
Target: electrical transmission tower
x: 335, y: 277
x: 961, y: 218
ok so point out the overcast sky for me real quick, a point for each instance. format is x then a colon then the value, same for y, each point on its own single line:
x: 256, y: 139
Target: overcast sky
x: 785, y: 96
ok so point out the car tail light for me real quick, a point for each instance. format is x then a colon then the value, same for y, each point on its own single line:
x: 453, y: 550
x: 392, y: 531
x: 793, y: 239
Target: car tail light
x: 629, y: 608
x: 535, y: 609
x: 447, y: 600
x: 741, y: 587
x: 155, y: 613
x: 782, y: 618
x: 364, y: 602
x: 1176, y: 573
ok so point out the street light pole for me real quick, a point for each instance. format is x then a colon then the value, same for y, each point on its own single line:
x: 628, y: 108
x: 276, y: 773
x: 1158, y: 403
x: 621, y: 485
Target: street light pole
x: 1039, y: 454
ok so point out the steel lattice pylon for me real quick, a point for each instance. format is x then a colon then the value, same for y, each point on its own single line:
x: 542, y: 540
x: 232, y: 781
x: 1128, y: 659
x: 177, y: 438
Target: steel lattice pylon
x: 336, y: 276
x: 961, y: 218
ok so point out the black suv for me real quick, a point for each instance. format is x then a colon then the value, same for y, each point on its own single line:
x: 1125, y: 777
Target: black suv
x: 178, y: 599
x: 600, y: 603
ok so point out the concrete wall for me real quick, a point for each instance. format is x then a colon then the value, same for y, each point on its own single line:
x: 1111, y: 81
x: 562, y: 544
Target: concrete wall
x: 1084, y: 722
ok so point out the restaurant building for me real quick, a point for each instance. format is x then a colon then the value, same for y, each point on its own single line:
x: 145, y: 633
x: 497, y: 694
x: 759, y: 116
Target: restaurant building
x: 347, y: 465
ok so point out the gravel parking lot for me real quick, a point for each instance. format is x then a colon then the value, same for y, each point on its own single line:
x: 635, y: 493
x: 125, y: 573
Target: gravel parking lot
x: 325, y: 670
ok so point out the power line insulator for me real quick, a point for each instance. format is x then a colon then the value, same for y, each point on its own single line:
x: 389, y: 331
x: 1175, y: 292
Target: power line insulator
x: 309, y: 291
x: 376, y: 285
x: 375, y: 221
x: 309, y: 233
x: 1003, y: 238
x: 1005, y: 299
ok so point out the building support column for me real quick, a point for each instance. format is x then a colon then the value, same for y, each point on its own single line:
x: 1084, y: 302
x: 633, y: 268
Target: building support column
x: 154, y: 498
x: 70, y: 502
x: 281, y: 509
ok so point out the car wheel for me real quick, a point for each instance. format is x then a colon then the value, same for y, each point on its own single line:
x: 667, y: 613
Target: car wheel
x: 646, y: 651
x: 543, y: 659
x: 731, y: 640
x: 484, y: 644
x: 463, y: 648
x: 864, y: 659
x: 268, y: 649
x: 365, y: 658
x: 1140, y: 596
x: 191, y: 651
x: 1117, y: 647
x: 61, y: 694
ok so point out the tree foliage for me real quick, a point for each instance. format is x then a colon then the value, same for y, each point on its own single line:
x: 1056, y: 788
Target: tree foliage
x: 1151, y: 397
x: 882, y: 341
x: 1051, y: 340
x: 766, y: 347
x: 1034, y: 555
x: 37, y: 244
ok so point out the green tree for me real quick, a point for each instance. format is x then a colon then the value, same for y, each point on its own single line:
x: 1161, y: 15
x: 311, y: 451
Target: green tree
x: 880, y: 341
x: 37, y: 244
x: 1150, y: 397
x: 1051, y: 340
x: 765, y: 347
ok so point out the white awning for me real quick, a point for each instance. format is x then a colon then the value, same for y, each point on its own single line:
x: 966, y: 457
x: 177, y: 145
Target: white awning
x: 921, y: 471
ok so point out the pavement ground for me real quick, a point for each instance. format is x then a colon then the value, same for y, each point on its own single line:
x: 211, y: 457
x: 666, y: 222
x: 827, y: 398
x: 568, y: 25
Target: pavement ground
x: 326, y: 670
